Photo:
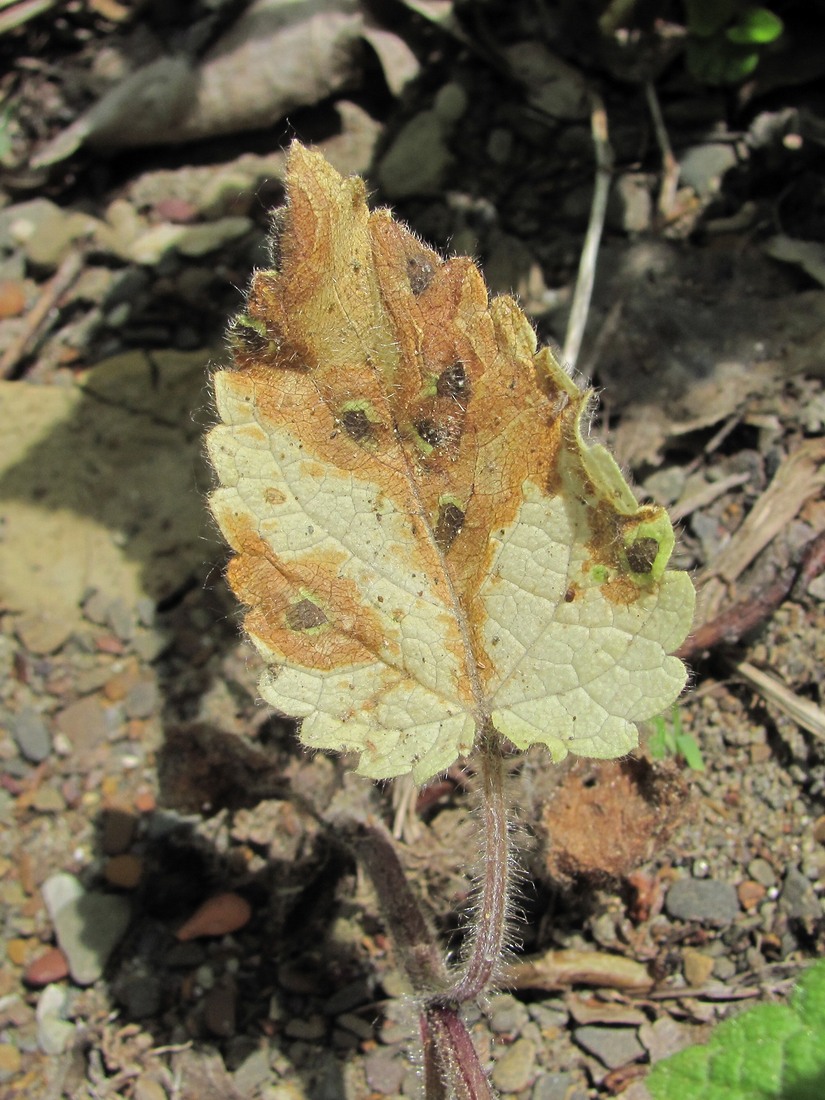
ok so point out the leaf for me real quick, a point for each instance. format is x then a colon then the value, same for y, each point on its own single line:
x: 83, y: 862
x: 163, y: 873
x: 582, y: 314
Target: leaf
x: 772, y: 1052
x: 755, y: 27
x: 427, y: 547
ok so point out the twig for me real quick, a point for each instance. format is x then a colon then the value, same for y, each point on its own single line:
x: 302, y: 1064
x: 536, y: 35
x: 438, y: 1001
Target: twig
x: 22, y: 13
x: 37, y: 316
x: 670, y: 165
x: 598, y: 210
x: 802, y: 711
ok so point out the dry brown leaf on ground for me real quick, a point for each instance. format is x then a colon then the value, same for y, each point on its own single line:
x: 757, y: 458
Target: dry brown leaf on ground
x: 277, y: 57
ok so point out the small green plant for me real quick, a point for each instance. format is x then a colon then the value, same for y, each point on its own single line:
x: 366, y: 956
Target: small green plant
x: 772, y: 1052
x: 670, y: 739
x: 726, y: 38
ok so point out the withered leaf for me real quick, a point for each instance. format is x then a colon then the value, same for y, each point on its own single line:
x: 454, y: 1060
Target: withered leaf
x: 426, y: 546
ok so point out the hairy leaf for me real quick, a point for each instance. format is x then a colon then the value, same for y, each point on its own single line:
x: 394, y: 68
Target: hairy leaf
x: 772, y: 1052
x: 427, y: 547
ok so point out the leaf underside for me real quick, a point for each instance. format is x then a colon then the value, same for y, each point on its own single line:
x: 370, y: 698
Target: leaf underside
x: 426, y: 546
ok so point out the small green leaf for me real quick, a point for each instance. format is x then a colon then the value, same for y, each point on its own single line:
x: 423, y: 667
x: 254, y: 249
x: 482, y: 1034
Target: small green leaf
x: 687, y: 748
x: 772, y: 1052
x: 718, y: 61
x: 755, y: 27
x: 657, y: 742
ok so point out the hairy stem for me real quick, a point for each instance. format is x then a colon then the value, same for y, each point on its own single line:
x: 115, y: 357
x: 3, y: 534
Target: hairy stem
x: 489, y: 927
x: 451, y: 1065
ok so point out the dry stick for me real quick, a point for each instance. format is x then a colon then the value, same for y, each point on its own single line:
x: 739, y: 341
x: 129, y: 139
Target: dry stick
x: 670, y: 177
x: 37, y: 316
x: 590, y: 251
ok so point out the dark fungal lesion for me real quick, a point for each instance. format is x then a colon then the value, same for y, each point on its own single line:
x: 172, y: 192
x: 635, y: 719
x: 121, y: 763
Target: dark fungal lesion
x: 420, y: 272
x: 248, y: 335
x: 642, y: 554
x: 356, y: 423
x: 430, y: 432
x: 305, y: 615
x: 448, y: 525
x: 453, y: 382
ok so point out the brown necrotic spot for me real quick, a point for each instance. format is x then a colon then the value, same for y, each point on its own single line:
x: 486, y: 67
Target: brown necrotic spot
x: 420, y: 272
x: 305, y: 615
x: 449, y: 523
x: 453, y: 382
x: 642, y: 554
x: 356, y: 424
x: 248, y: 335
x: 429, y: 432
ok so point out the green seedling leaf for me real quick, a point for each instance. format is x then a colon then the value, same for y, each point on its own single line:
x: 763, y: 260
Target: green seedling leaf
x: 755, y: 27
x: 772, y: 1052
x: 429, y: 547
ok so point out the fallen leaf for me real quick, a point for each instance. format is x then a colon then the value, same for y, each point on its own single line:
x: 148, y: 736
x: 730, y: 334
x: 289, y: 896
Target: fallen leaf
x: 428, y: 548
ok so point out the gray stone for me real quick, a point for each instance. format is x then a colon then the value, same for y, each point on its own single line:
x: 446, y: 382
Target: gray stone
x: 703, y: 900
x: 54, y: 1032
x: 798, y: 898
x: 507, y: 1015
x: 418, y: 159
x: 516, y: 1068
x: 31, y: 735
x: 385, y: 1070
x: 88, y: 925
x: 142, y: 701
x: 702, y: 167
x: 613, y: 1046
x: 552, y: 1086
x: 252, y: 1072
x: 761, y: 871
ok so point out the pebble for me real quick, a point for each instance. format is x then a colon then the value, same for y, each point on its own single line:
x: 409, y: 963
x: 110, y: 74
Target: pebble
x: 218, y: 916
x: 12, y: 298
x: 309, y: 1030
x: 31, y: 735
x: 702, y: 900
x: 253, y: 1072
x: 798, y: 898
x: 515, y: 1069
x: 761, y: 871
x: 124, y: 871
x: 88, y: 924
x: 697, y: 967
x: 42, y: 633
x: 219, y: 1010
x: 84, y: 723
x: 613, y: 1046
x: 118, y: 831
x: 750, y: 894
x: 54, y: 1032
x: 48, y: 800
x: 142, y: 701
x: 51, y: 966
x: 508, y: 1015
x: 553, y: 1086
x: 10, y: 1060
x: 385, y: 1071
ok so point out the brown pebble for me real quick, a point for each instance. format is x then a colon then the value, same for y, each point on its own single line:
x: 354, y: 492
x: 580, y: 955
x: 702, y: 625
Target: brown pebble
x: 145, y: 802
x: 12, y: 298
x: 118, y: 831
x: 18, y: 950
x: 819, y: 830
x: 10, y: 1059
x: 219, y: 1006
x: 218, y: 916
x: 124, y: 871
x: 697, y: 966
x: 51, y: 966
x: 750, y: 894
